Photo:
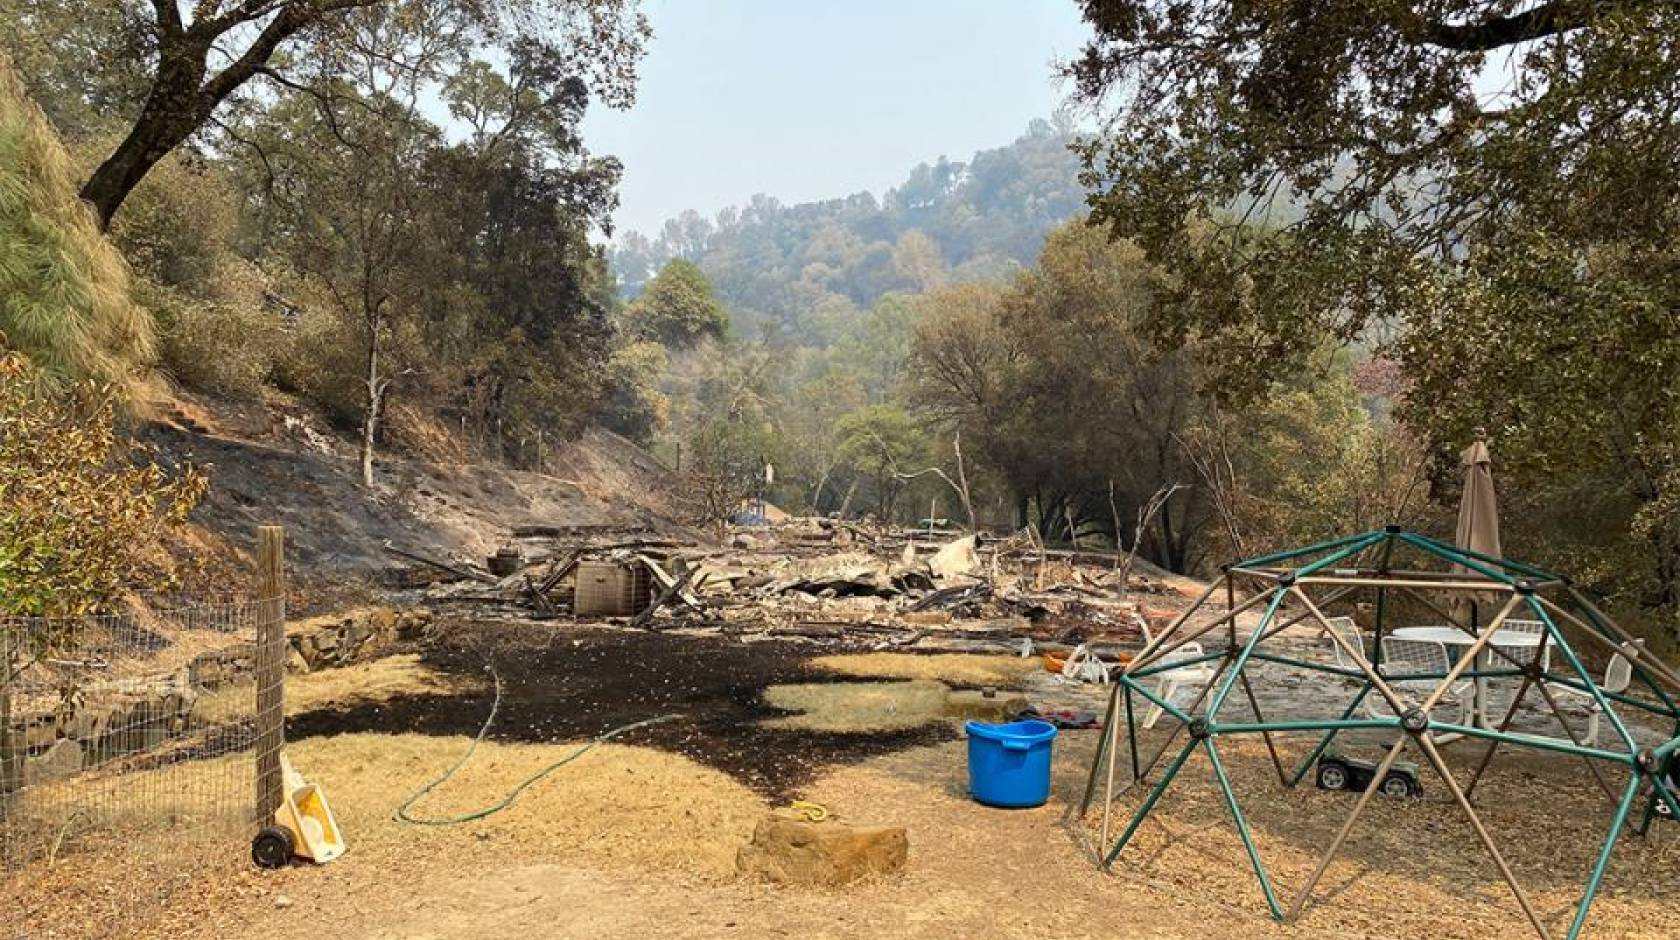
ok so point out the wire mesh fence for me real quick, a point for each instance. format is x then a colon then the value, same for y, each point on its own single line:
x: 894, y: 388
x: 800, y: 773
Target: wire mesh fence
x: 122, y: 733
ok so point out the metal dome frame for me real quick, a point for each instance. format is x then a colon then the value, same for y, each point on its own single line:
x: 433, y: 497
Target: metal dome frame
x: 1331, y: 571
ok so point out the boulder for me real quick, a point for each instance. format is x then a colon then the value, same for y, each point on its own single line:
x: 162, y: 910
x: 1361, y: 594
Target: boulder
x: 411, y: 624
x: 794, y: 851
x: 295, y: 663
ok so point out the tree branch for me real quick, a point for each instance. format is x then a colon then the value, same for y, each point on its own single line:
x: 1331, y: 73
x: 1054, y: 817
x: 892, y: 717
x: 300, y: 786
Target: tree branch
x: 1547, y: 19
x: 168, y: 17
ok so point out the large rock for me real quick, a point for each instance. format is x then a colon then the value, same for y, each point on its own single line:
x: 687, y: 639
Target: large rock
x: 794, y: 851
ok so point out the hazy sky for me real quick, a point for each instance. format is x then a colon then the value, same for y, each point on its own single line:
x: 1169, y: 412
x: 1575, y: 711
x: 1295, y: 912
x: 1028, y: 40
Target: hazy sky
x: 804, y: 100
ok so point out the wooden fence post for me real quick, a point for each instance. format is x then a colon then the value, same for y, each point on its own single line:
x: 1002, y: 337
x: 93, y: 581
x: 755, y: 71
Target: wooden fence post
x: 11, y: 750
x: 270, y: 669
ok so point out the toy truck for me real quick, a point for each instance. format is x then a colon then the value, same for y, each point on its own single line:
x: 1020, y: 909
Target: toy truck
x: 1340, y: 772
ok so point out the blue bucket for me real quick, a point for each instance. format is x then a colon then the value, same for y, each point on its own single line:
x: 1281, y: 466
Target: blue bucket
x: 1009, y: 765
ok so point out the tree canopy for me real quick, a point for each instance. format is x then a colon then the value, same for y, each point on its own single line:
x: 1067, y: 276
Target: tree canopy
x: 1487, y: 191
x: 678, y: 308
x: 806, y: 270
x: 205, y: 64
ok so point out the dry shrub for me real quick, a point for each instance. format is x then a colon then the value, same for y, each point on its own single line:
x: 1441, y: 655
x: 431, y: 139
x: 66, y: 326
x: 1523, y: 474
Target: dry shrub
x: 77, y: 510
x: 176, y: 227
x: 225, y: 342
x: 322, y: 363
x: 64, y: 290
x: 323, y: 358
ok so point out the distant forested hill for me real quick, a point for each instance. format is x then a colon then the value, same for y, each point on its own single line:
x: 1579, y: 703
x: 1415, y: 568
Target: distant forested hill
x: 804, y: 271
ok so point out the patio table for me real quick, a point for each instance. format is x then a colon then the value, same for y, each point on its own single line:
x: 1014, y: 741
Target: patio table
x: 1457, y: 641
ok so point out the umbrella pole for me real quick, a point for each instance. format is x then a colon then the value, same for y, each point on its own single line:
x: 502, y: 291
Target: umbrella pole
x: 1480, y: 718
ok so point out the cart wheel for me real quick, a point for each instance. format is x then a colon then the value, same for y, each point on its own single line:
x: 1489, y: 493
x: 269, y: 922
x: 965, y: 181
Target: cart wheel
x: 1332, y: 775
x: 1398, y: 786
x: 273, y: 847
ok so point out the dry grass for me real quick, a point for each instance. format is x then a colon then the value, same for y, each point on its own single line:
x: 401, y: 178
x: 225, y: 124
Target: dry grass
x: 616, y: 808
x: 617, y: 805
x: 858, y: 706
x: 376, y: 681
x: 970, y: 669
x: 182, y: 802
x: 1411, y: 868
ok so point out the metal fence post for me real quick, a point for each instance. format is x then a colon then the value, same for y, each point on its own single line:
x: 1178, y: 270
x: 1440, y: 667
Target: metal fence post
x: 270, y: 669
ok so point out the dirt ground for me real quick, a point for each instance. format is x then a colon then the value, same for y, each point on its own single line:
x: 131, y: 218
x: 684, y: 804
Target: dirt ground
x: 278, y: 462
x: 616, y: 857
x: 638, y: 836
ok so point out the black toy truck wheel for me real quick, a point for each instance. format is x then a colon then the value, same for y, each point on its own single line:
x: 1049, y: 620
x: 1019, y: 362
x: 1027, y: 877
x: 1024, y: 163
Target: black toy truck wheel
x: 1398, y: 786
x: 1332, y: 775
x: 273, y: 847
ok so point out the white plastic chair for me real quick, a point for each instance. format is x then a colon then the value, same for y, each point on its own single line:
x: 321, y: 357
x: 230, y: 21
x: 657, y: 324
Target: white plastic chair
x: 1184, y: 678
x: 1402, y: 657
x: 1082, y: 665
x: 1523, y: 655
x: 1617, y: 677
x: 1350, y: 634
x: 1348, y: 631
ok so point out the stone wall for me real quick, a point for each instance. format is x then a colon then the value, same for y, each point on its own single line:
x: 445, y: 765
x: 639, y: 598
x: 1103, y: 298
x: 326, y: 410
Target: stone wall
x: 116, y: 718
x: 343, y: 638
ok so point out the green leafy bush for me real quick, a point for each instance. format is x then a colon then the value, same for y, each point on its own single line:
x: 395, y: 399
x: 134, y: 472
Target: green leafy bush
x: 636, y: 408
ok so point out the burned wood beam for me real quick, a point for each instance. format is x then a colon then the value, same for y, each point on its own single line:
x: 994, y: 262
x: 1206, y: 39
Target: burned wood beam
x: 561, y: 567
x: 466, y: 573
x: 669, y: 591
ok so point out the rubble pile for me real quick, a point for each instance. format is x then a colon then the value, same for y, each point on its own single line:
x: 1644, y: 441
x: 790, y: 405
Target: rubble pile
x: 820, y: 580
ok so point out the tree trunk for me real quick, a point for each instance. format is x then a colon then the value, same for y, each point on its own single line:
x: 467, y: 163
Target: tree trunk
x: 376, y: 396
x: 1665, y: 550
x: 1172, y: 551
x: 174, y: 109
x: 183, y: 95
x: 846, y: 504
x: 816, y: 494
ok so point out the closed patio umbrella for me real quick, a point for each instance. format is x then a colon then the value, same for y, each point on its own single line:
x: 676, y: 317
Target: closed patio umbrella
x: 1478, y: 531
x: 1478, y: 508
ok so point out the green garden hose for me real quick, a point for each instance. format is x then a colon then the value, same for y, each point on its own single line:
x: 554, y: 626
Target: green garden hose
x: 402, y: 813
